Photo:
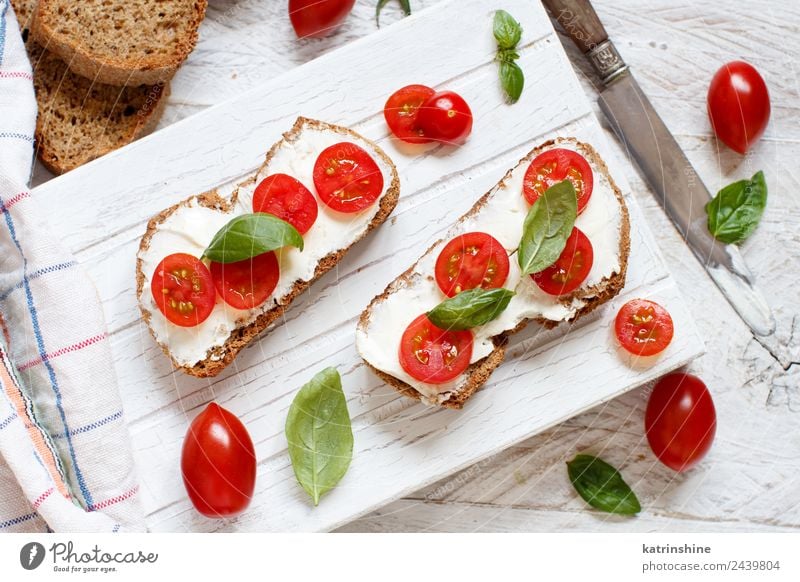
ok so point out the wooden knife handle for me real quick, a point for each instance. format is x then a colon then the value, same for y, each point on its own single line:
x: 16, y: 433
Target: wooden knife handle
x: 579, y: 21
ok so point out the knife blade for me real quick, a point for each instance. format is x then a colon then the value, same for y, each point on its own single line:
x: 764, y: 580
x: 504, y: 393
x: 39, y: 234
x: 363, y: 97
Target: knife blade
x: 663, y: 164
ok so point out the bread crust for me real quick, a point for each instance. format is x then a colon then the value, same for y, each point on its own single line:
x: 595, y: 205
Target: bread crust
x: 479, y: 372
x: 218, y: 358
x: 115, y: 69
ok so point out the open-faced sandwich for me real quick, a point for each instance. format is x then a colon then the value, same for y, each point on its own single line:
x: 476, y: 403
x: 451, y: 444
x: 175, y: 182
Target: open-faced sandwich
x: 213, y: 271
x: 548, y: 243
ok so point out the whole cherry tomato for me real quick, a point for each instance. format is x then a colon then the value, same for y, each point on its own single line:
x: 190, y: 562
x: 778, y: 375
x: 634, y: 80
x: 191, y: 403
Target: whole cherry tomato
x: 680, y: 420
x: 738, y: 105
x: 318, y: 17
x: 445, y: 117
x: 218, y: 463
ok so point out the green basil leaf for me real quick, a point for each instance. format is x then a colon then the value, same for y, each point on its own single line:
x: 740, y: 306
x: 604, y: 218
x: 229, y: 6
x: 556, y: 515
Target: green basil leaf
x: 470, y: 308
x: 405, y: 5
x: 547, y: 227
x: 507, y: 31
x: 250, y: 235
x: 601, y: 486
x: 512, y: 80
x: 319, y: 434
x: 734, y: 213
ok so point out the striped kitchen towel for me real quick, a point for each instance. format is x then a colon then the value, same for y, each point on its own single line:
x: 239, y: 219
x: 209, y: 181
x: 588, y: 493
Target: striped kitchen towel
x: 65, y: 456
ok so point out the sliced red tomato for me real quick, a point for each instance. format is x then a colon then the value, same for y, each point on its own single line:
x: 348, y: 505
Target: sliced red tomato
x: 183, y: 290
x: 680, y: 420
x: 285, y: 197
x: 738, y: 105
x: 347, y: 178
x: 446, y: 117
x: 318, y: 17
x: 555, y: 166
x: 471, y: 260
x: 570, y: 269
x: 218, y: 463
x: 434, y: 355
x: 247, y: 284
x: 402, y: 109
x: 643, y: 327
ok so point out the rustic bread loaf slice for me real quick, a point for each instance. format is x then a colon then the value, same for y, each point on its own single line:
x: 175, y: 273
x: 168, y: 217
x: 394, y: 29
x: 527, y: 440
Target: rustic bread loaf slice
x: 78, y: 120
x: 205, y: 350
x: 120, y: 42
x: 500, y: 212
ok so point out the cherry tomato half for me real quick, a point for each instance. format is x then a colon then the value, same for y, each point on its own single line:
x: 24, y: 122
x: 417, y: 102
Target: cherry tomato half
x: 471, y: 260
x: 434, y: 355
x: 446, y: 117
x: 183, y: 290
x: 738, y: 105
x: 347, y: 178
x: 401, y: 111
x: 643, y: 327
x: 570, y: 269
x: 554, y: 166
x: 218, y: 463
x: 286, y: 198
x: 318, y: 17
x: 680, y: 420
x: 247, y: 284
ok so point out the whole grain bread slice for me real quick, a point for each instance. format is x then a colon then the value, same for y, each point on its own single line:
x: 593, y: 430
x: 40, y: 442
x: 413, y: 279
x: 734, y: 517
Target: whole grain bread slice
x: 79, y: 120
x: 478, y: 373
x: 120, y: 42
x: 219, y: 357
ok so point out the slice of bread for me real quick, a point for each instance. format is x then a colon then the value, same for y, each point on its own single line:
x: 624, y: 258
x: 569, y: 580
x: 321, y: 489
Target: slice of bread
x: 120, y: 42
x: 156, y: 244
x: 78, y: 120
x: 394, y: 313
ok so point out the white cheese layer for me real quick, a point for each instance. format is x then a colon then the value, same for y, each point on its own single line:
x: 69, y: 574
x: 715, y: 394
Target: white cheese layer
x: 191, y: 227
x: 502, y: 216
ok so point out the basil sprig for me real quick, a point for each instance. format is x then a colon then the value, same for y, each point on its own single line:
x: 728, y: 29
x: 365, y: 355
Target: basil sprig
x: 319, y: 434
x: 405, y: 5
x: 734, y: 213
x: 250, y: 235
x: 601, y: 486
x: 547, y: 226
x: 470, y: 308
x: 507, y: 33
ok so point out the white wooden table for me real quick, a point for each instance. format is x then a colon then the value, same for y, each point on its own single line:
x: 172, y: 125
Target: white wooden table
x: 750, y: 479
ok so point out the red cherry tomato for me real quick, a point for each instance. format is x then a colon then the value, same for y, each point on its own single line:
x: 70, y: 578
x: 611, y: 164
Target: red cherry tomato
x: 347, y: 178
x: 183, y: 290
x: 738, y: 105
x: 471, y: 260
x: 445, y: 117
x: 433, y: 355
x: 680, y: 420
x: 570, y: 269
x: 247, y: 284
x: 218, y: 463
x: 643, y: 327
x: 401, y: 111
x: 554, y: 166
x: 318, y: 17
x: 286, y: 198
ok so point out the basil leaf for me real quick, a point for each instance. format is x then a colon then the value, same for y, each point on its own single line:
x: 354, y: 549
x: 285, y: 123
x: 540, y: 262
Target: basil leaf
x: 734, y: 213
x: 405, y: 5
x: 547, y: 227
x: 601, y: 486
x: 512, y: 80
x: 250, y: 235
x: 319, y: 434
x: 507, y: 31
x: 470, y: 308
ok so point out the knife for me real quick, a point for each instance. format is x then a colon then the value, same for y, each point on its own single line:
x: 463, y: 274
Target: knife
x: 666, y: 168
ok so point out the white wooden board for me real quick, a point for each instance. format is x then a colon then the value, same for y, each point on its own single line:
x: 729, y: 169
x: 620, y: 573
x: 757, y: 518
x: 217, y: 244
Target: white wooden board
x: 400, y: 445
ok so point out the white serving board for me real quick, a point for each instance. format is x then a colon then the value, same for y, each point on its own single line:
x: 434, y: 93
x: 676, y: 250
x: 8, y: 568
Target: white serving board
x: 100, y: 211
